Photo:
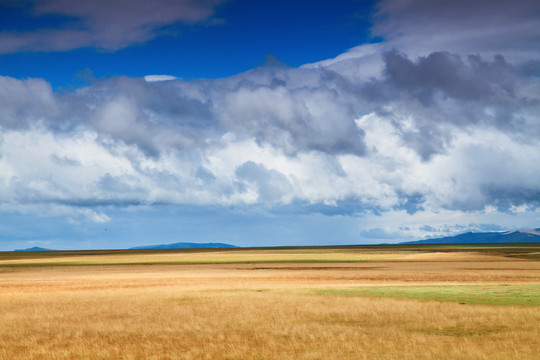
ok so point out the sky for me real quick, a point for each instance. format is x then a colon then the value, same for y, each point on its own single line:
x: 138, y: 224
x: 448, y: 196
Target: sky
x: 266, y: 123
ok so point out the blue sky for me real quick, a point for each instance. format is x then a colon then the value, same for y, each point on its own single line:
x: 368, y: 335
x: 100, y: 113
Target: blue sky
x: 264, y: 123
x: 236, y: 37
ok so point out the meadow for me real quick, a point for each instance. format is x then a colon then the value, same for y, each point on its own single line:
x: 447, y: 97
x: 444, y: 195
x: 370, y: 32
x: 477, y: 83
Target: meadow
x: 355, y: 302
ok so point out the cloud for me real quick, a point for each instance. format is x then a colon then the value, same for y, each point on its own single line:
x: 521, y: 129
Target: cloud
x: 437, y: 132
x: 26, y: 102
x: 378, y: 234
x: 108, y: 25
x: 487, y: 27
x: 154, y: 78
x: 376, y: 131
x: 295, y: 119
x: 97, y: 217
x: 271, y: 185
x: 447, y: 75
x: 425, y: 98
x: 151, y: 115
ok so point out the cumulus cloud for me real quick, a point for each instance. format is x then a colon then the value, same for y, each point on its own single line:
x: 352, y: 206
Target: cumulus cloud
x: 424, y: 98
x: 293, y: 119
x: 271, y: 185
x: 104, y: 24
x: 436, y: 132
x: 25, y: 102
x: 447, y: 132
x: 476, y: 79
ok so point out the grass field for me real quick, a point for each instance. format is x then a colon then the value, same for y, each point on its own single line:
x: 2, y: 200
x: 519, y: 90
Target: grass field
x: 372, y: 302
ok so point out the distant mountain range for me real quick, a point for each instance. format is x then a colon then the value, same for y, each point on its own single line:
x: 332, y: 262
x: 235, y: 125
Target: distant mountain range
x: 514, y: 236
x: 35, y: 248
x: 184, y: 245
x: 181, y: 245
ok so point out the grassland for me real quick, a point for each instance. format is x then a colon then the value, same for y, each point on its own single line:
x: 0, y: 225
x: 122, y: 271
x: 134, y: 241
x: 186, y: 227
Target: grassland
x: 375, y: 302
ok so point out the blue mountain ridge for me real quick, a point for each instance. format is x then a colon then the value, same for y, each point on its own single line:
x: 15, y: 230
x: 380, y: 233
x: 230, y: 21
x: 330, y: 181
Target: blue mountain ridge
x: 515, y: 236
x: 35, y: 248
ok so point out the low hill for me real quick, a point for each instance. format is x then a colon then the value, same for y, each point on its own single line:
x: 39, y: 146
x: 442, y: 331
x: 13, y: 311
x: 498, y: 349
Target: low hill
x: 515, y: 236
x: 184, y: 245
x: 35, y: 248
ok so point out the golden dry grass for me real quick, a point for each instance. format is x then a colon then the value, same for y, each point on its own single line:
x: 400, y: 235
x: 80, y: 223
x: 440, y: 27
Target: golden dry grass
x: 227, y: 257
x: 266, y: 310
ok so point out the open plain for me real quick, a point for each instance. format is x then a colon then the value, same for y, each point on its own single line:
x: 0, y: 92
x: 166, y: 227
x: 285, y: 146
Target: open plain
x: 356, y: 302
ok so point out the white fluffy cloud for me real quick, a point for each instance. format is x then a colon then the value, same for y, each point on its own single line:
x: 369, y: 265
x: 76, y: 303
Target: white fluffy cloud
x: 411, y: 139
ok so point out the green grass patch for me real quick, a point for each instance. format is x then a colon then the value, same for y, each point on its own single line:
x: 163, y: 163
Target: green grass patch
x: 515, y: 294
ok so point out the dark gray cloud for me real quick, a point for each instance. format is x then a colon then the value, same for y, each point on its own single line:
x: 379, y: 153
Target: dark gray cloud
x: 464, y: 27
x: 104, y: 24
x: 295, y: 119
x: 438, y: 72
x: 487, y: 82
x: 444, y: 89
x: 507, y: 197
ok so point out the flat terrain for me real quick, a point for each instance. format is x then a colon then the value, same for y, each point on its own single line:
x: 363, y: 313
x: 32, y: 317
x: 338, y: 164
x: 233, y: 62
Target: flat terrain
x: 364, y: 302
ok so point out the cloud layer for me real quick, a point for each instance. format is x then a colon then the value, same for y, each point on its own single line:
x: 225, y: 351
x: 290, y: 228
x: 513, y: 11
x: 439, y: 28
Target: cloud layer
x: 103, y: 24
x: 440, y: 131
